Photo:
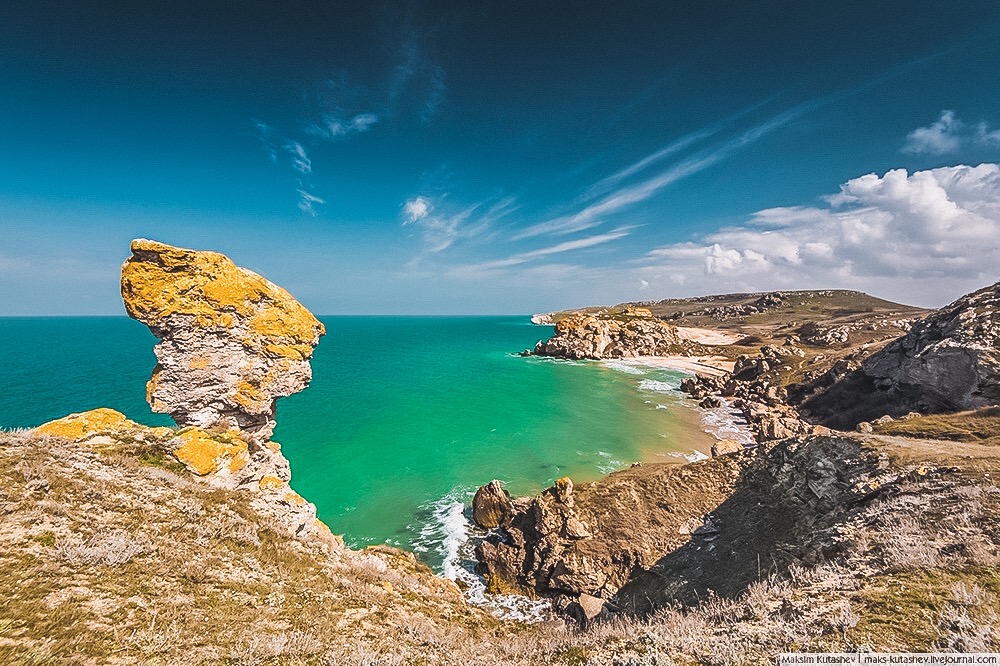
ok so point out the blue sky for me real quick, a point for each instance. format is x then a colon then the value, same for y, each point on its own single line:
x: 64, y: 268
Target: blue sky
x: 502, y: 157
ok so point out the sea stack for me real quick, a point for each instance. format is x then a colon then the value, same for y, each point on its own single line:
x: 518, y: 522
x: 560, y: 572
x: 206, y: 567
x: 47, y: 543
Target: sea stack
x: 231, y: 342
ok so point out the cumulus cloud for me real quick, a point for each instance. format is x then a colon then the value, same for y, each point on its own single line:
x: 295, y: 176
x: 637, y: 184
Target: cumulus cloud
x: 415, y: 209
x: 923, y: 236
x: 949, y: 134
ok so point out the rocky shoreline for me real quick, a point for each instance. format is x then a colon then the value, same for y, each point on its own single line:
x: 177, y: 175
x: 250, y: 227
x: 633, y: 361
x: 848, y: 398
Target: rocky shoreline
x: 596, y: 550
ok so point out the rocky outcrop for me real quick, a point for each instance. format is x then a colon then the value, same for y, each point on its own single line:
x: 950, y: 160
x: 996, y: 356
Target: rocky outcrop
x: 654, y: 535
x: 231, y: 342
x: 584, y: 336
x: 589, y: 540
x: 491, y: 505
x: 755, y: 388
x: 948, y: 361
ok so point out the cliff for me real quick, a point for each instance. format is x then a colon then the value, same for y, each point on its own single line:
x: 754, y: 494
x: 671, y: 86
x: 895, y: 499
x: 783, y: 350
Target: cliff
x: 948, y: 361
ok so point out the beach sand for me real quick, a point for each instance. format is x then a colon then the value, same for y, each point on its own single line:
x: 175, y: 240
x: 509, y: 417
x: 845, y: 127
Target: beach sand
x: 707, y: 336
x: 703, y: 365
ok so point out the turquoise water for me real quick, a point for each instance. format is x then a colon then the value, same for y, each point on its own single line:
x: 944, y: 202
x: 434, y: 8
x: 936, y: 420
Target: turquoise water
x: 405, y: 415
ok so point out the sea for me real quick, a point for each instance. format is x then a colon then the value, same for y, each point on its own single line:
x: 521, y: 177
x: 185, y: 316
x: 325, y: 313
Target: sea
x: 405, y: 416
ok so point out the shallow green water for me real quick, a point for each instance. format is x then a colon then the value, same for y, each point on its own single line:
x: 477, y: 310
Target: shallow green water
x: 405, y: 416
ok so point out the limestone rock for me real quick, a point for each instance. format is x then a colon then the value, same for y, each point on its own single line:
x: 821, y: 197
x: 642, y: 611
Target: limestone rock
x: 491, y: 505
x: 950, y: 360
x: 231, y: 342
x: 591, y: 606
x: 585, y: 336
x: 563, y: 490
x: 725, y: 447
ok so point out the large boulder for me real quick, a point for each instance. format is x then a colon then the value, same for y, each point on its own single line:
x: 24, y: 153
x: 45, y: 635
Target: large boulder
x: 491, y: 505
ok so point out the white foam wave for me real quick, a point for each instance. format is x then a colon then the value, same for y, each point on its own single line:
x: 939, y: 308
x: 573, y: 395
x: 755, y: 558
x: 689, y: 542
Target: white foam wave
x: 450, y: 535
x: 726, y: 422
x: 659, y: 386
x: 624, y: 366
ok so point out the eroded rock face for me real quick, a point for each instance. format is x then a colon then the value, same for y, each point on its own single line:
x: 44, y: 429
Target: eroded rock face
x: 951, y: 359
x: 231, y: 342
x: 660, y: 534
x: 589, y: 539
x: 583, y: 336
x: 948, y: 361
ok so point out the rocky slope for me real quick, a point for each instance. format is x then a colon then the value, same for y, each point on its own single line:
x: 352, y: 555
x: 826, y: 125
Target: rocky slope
x: 832, y: 509
x: 948, y: 361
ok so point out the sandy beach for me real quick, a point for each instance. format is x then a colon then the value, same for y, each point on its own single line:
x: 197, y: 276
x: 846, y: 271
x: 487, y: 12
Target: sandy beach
x: 705, y: 365
x: 707, y: 336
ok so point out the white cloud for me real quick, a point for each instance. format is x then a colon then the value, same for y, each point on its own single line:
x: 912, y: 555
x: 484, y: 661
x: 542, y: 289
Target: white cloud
x: 921, y: 236
x: 948, y: 134
x: 415, y: 209
x: 594, y: 214
x: 524, y: 257
x: 338, y: 126
x: 300, y: 159
x: 307, y: 202
x: 442, y: 223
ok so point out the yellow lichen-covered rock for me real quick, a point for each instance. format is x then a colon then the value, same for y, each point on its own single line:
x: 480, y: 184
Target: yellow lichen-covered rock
x: 270, y: 482
x: 205, y: 453
x: 87, y: 424
x: 161, y: 280
x: 231, y: 342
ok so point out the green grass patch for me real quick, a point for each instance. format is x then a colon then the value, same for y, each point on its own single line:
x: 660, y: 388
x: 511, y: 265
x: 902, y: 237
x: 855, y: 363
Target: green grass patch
x: 981, y: 426
x: 901, y: 611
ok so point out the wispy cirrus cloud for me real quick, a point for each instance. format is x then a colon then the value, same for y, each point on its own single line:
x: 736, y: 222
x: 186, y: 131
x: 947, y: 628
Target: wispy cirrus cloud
x: 308, y: 202
x: 342, y: 110
x: 417, y: 79
x: 442, y: 223
x: 300, y: 159
x: 335, y: 125
x: 559, y: 248
x: 595, y: 213
x: 949, y: 134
